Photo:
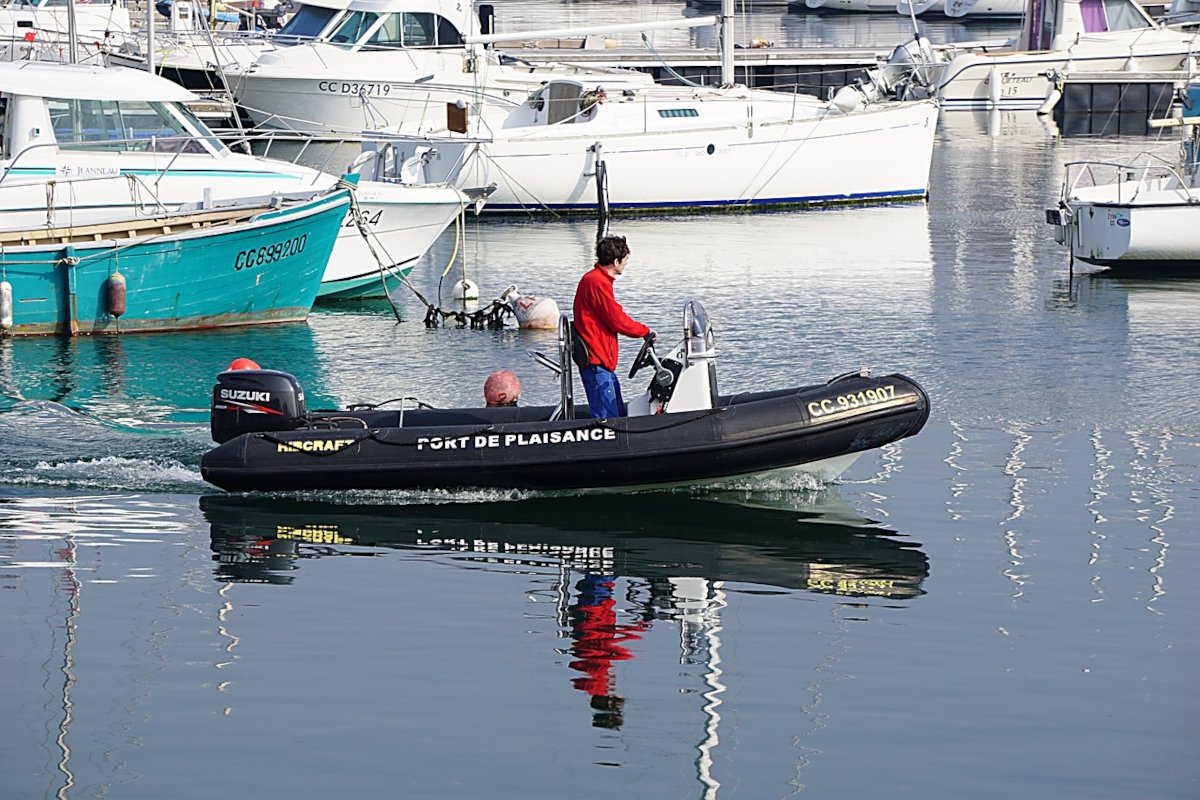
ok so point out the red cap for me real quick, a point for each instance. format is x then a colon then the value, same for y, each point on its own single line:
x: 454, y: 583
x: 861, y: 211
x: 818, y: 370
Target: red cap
x: 243, y: 363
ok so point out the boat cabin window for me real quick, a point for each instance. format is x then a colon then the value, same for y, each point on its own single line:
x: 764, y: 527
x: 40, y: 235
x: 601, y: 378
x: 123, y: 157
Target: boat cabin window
x: 429, y: 30
x: 355, y: 27
x: 4, y: 148
x: 407, y: 29
x: 1049, y: 23
x: 307, y: 23
x: 678, y: 112
x: 121, y: 125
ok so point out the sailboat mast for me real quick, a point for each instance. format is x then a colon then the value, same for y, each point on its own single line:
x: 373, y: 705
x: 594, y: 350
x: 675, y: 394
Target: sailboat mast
x: 726, y: 42
x: 150, y: 36
x: 72, y: 36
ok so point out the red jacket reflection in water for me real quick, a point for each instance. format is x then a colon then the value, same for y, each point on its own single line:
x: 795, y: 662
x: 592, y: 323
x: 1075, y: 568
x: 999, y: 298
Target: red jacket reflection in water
x: 598, y: 640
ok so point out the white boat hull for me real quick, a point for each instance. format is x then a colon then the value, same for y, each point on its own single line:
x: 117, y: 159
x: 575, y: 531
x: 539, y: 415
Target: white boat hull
x: 321, y: 88
x: 404, y: 220
x: 850, y: 158
x: 41, y: 33
x: 1130, y: 217
x: 1159, y: 232
x: 1021, y: 81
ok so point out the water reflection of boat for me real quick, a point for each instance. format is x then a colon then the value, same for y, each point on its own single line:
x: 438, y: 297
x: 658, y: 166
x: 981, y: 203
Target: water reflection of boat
x: 655, y: 537
x: 622, y: 569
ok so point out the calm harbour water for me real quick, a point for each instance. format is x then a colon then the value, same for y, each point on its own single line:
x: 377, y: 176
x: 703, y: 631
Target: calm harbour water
x: 998, y: 607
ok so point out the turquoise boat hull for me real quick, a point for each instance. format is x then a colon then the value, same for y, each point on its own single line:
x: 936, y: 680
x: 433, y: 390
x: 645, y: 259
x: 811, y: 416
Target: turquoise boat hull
x: 369, y: 287
x: 265, y: 269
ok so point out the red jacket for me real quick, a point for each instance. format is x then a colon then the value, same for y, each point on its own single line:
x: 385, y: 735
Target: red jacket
x: 599, y: 318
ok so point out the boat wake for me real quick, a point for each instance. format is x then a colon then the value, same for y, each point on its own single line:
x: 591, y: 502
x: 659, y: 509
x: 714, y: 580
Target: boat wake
x: 798, y: 490
x: 109, y: 473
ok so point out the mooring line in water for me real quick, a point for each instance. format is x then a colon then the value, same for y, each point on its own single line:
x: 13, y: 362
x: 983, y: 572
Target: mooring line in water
x: 490, y: 317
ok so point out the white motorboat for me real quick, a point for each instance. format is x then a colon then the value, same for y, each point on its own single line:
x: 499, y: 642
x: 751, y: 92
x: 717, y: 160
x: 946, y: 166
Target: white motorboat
x: 196, y: 54
x: 1057, y: 37
x: 950, y: 8
x: 70, y: 121
x: 394, y: 61
x: 576, y: 147
x: 854, y: 6
x: 1183, y: 11
x: 957, y: 9
x: 1141, y: 217
x: 38, y: 30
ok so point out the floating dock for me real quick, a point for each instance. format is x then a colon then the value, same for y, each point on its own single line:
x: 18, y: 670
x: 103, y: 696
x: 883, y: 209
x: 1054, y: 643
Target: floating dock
x: 1107, y: 103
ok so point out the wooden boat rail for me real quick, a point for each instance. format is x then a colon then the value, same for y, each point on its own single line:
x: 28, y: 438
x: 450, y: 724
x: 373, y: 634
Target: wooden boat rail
x: 163, y: 224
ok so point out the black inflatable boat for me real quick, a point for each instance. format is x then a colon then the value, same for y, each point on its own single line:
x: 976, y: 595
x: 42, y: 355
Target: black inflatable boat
x: 679, y: 432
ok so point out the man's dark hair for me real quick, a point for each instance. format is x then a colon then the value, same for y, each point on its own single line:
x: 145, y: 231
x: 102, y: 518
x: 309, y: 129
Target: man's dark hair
x: 611, y: 249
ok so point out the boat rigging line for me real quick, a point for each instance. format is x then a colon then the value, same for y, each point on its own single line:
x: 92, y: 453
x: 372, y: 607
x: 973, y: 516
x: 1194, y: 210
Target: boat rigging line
x: 666, y: 66
x: 490, y: 317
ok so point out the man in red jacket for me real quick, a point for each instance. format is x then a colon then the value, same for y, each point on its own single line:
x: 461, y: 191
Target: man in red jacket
x: 598, y: 320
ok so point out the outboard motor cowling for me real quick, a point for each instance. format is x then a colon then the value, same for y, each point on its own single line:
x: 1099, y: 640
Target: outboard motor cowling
x: 253, y: 400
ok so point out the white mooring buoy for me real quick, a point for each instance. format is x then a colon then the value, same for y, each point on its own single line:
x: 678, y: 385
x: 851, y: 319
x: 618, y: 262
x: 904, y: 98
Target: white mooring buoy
x: 466, y: 289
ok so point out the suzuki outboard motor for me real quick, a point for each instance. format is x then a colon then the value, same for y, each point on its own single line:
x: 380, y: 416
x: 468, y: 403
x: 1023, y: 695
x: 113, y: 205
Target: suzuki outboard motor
x: 253, y: 400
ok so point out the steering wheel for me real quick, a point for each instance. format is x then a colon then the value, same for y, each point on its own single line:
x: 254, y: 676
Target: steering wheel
x: 643, y: 357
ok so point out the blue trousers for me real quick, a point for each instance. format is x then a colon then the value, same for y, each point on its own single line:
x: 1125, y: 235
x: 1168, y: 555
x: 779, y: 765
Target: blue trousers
x: 603, y: 392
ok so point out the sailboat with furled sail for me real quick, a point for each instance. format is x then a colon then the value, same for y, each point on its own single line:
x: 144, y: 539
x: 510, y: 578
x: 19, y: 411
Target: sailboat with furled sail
x: 584, y: 144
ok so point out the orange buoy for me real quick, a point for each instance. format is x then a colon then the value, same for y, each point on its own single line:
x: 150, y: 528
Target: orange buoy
x: 502, y: 389
x: 243, y: 363
x: 116, y: 294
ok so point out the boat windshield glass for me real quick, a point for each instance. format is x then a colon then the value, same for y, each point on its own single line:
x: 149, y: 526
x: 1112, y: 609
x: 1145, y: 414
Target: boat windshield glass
x: 307, y: 23
x: 356, y: 24
x: 410, y: 29
x: 199, y: 128
x: 429, y: 30
x: 386, y: 36
x: 124, y: 125
x: 1119, y: 15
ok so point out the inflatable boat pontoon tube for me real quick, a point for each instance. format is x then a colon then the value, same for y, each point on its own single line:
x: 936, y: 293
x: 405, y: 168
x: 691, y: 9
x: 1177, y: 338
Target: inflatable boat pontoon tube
x: 679, y: 432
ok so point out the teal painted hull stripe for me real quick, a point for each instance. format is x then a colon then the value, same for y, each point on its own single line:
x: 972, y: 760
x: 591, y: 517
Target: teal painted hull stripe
x: 236, y: 275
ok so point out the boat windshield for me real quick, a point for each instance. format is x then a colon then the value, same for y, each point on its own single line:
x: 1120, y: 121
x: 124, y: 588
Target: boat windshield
x: 307, y: 23
x: 396, y: 30
x: 125, y: 125
x: 1112, y: 15
x: 354, y: 27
